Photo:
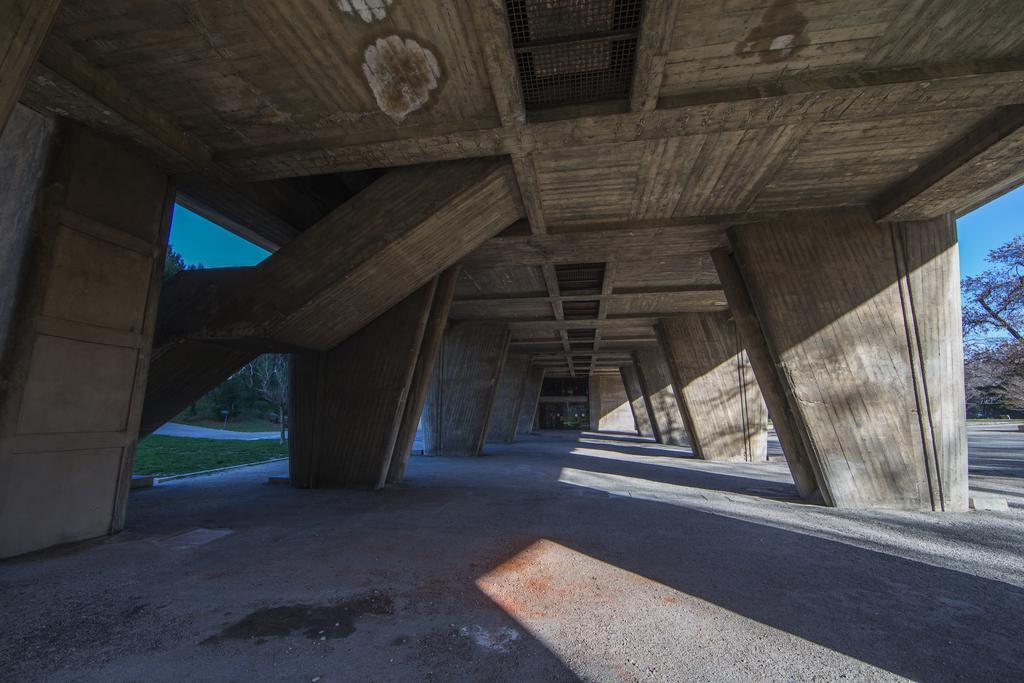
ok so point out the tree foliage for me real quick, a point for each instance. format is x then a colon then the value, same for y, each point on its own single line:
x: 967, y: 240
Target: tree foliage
x: 268, y: 377
x: 174, y: 264
x: 994, y: 330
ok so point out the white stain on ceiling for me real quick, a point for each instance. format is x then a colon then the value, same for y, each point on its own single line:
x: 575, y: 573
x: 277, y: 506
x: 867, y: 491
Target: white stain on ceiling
x: 402, y: 73
x: 368, y: 10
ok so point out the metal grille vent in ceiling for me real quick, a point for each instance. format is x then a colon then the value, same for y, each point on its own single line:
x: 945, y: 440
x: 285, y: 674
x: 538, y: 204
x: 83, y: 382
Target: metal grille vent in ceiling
x: 580, y: 277
x: 574, y: 51
x: 580, y: 310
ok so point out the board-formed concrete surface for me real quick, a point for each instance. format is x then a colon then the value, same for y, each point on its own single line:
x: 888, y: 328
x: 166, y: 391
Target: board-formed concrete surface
x: 564, y: 556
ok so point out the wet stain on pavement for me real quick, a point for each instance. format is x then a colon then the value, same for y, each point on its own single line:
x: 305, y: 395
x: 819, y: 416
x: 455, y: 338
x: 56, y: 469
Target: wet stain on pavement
x: 315, y: 622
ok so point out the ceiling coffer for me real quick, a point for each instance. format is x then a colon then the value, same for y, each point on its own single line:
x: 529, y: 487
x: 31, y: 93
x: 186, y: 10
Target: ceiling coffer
x: 574, y: 51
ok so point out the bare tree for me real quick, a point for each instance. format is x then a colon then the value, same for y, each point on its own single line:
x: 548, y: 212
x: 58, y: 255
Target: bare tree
x: 994, y: 329
x: 994, y: 300
x: 268, y: 376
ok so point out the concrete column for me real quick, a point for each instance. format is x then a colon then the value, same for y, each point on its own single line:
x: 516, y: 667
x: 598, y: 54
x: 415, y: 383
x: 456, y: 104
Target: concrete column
x: 610, y: 409
x: 509, y: 401
x: 464, y: 387
x: 715, y: 387
x: 87, y: 234
x: 348, y: 404
x: 863, y: 321
x: 531, y: 400
x: 657, y: 386
x: 425, y: 363
x: 767, y: 373
x: 637, y: 403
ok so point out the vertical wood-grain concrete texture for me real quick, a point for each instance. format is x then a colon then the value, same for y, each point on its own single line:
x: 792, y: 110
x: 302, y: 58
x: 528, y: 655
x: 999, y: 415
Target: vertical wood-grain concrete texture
x: 509, y: 401
x: 767, y: 373
x: 337, y: 276
x: 23, y: 27
x: 659, y: 391
x: 610, y: 409
x: 463, y: 389
x: 74, y: 365
x: 637, y: 402
x: 531, y: 399
x: 347, y: 404
x: 433, y: 336
x: 715, y: 387
x: 863, y: 321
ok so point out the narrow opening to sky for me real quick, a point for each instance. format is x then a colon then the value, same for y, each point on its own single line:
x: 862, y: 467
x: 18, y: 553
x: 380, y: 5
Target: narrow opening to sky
x: 201, y: 242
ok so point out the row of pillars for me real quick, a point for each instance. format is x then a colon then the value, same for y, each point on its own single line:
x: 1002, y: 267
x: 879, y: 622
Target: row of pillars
x: 845, y: 330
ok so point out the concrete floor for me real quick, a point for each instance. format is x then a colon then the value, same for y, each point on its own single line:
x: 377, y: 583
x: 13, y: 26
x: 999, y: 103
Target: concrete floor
x: 562, y: 557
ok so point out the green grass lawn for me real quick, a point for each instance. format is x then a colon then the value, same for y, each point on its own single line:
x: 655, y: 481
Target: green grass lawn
x: 166, y: 455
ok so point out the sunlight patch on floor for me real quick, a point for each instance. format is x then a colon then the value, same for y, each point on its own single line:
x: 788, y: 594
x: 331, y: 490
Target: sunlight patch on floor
x: 591, y: 614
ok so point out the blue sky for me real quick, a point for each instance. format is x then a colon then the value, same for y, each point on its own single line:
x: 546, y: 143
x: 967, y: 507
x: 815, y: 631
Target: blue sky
x: 986, y: 228
x: 200, y: 241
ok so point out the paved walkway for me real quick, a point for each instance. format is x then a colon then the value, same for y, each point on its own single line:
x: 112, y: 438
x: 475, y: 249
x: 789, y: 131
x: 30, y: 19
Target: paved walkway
x: 562, y: 557
x: 193, y: 432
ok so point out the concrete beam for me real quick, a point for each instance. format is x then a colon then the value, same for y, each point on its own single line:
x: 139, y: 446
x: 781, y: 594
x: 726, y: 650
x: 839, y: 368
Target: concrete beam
x: 863, y: 321
x: 330, y: 282
x: 362, y: 259
x: 464, y: 388
x: 23, y: 27
x: 348, y: 404
x: 715, y: 386
x: 76, y: 352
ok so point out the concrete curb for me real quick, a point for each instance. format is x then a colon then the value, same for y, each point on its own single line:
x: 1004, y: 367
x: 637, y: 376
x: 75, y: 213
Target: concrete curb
x: 189, y: 475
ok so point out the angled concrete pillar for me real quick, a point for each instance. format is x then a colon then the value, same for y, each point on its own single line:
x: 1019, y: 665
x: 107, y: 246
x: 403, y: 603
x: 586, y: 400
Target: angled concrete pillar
x: 637, y: 402
x: 437, y: 323
x: 347, y: 404
x: 609, y: 405
x: 531, y: 400
x: 509, y: 401
x: 463, y: 388
x: 863, y: 321
x: 84, y: 239
x: 715, y: 387
x: 658, y: 389
x: 333, y: 279
x: 767, y: 373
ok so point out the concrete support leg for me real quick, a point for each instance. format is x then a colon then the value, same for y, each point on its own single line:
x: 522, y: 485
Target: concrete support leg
x: 609, y: 405
x: 715, y: 386
x: 464, y: 387
x: 658, y: 389
x: 86, y: 234
x: 767, y: 373
x: 531, y: 400
x: 348, y: 404
x: 425, y: 363
x: 863, y: 321
x: 637, y: 402
x: 332, y: 280
x: 509, y: 401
